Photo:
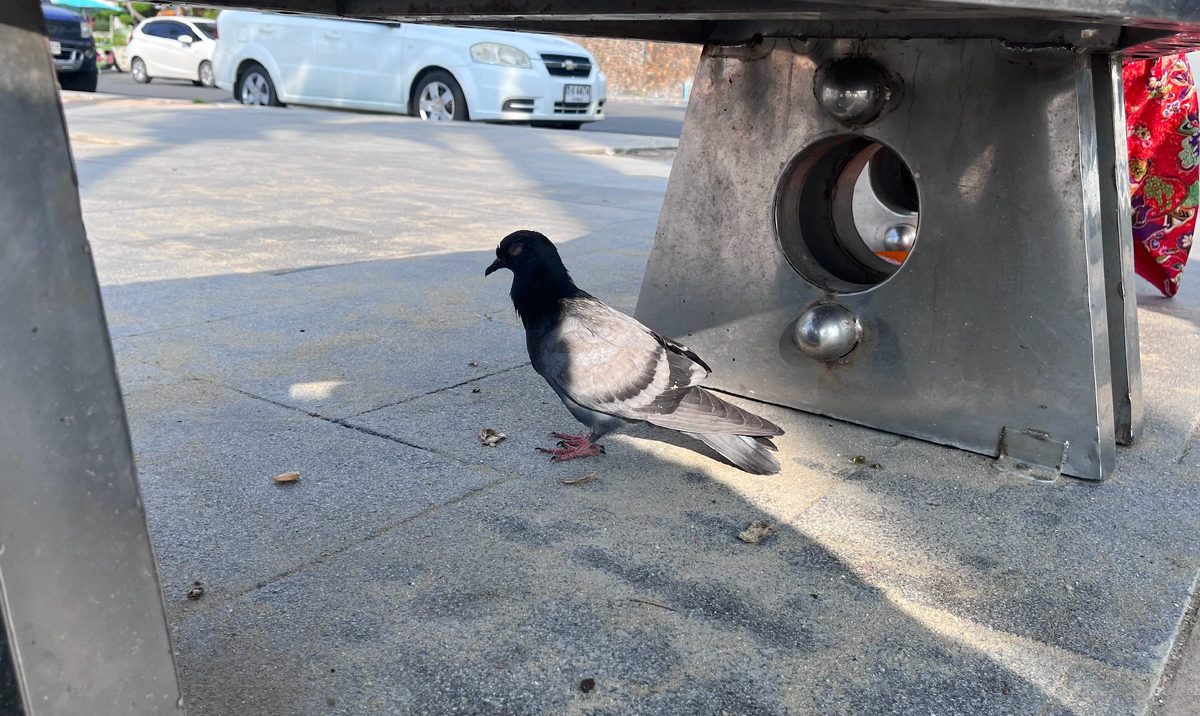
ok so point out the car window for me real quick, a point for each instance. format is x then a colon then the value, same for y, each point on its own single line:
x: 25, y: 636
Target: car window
x: 178, y: 30
x: 171, y: 30
x: 155, y: 29
x: 208, y: 28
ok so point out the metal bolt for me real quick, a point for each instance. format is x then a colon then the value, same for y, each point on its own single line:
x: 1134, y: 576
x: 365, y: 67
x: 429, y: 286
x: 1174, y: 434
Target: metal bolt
x: 826, y: 332
x: 900, y: 237
x: 852, y: 91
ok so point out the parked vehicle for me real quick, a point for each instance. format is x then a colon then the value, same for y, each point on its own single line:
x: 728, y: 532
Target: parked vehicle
x: 432, y: 72
x: 72, y: 47
x: 173, y: 47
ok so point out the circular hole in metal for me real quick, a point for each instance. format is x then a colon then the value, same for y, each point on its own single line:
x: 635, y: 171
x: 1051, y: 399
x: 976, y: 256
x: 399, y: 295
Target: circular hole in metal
x: 846, y: 213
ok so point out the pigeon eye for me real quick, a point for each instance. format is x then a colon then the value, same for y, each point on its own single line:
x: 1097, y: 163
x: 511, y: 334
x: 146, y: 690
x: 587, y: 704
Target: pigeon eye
x: 516, y: 249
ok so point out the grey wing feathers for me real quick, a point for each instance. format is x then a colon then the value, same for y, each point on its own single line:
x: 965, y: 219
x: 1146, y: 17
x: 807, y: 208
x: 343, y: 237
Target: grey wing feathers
x: 608, y: 362
x: 699, y: 411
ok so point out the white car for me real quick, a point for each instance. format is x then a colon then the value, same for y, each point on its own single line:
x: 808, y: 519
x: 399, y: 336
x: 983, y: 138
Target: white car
x: 432, y: 72
x: 177, y: 48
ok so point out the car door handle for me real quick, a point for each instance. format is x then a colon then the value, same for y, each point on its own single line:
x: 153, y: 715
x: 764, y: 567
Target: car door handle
x: 332, y: 35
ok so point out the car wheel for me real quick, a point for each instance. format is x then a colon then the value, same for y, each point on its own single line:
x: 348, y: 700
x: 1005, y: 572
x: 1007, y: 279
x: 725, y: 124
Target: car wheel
x: 85, y: 80
x: 439, y: 98
x: 207, y: 78
x: 256, y: 88
x: 137, y: 68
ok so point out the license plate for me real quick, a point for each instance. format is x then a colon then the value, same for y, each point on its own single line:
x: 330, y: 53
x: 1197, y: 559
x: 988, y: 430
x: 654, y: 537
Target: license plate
x: 577, y: 93
x: 55, y: 48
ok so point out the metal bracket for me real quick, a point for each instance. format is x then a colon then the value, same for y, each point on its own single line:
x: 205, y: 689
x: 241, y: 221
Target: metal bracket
x: 1032, y: 454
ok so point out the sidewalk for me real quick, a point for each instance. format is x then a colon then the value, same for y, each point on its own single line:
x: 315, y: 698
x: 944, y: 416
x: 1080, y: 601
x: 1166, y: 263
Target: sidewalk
x: 303, y: 290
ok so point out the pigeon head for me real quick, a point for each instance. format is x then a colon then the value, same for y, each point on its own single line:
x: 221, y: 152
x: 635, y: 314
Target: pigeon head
x: 525, y: 253
x: 539, y: 277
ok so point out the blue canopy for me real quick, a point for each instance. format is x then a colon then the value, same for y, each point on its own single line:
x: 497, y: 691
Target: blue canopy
x: 88, y: 4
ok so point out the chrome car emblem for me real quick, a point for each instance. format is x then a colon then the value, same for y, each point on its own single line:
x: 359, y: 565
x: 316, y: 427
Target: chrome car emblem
x: 569, y: 65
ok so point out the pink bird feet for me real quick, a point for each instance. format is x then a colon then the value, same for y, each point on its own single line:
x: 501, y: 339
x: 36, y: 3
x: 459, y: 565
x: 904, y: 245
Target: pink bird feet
x: 573, y: 446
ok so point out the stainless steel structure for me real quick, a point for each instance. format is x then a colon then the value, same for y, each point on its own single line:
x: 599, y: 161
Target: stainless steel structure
x: 1010, y: 329
x: 998, y: 319
x: 82, y: 609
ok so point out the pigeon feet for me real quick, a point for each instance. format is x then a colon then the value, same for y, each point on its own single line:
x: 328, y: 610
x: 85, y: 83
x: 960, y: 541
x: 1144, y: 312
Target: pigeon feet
x: 573, y: 446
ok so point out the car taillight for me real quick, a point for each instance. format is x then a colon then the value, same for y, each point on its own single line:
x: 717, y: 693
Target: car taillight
x: 216, y: 32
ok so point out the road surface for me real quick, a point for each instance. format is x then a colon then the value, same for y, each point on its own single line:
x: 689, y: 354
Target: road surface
x: 646, y: 118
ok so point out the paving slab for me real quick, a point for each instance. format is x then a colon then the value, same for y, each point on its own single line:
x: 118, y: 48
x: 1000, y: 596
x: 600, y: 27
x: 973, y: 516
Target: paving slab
x: 303, y: 290
x: 225, y: 523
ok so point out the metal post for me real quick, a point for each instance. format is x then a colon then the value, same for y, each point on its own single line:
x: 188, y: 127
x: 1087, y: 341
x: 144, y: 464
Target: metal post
x: 1117, y: 229
x: 82, y: 608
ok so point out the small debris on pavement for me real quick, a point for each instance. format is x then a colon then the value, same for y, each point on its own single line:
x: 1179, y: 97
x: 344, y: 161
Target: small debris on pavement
x: 287, y: 477
x: 587, y: 685
x: 651, y: 602
x: 490, y: 437
x: 757, y: 532
x: 858, y: 459
x: 579, y: 480
x: 876, y: 466
x: 474, y: 390
x: 196, y: 591
x: 474, y: 364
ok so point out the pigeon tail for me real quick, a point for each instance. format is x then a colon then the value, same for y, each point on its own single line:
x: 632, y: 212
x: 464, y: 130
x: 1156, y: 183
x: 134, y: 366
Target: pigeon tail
x: 700, y: 411
x: 752, y: 454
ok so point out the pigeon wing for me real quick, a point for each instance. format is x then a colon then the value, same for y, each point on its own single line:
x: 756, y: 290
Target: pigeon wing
x: 699, y: 411
x: 608, y: 362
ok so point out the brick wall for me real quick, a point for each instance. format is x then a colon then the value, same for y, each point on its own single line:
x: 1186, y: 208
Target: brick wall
x: 644, y: 69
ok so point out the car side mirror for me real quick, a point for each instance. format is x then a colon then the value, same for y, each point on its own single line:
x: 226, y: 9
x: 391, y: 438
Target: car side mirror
x: 186, y: 39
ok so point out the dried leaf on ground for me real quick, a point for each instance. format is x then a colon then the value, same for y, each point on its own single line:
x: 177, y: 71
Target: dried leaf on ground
x: 195, y: 592
x: 490, y: 437
x: 579, y: 480
x: 757, y: 532
x: 858, y: 459
x: 287, y: 477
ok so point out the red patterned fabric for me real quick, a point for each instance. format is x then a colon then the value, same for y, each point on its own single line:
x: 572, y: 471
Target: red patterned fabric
x: 1164, y: 165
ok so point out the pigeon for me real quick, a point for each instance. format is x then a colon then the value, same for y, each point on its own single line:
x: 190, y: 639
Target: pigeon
x: 611, y: 371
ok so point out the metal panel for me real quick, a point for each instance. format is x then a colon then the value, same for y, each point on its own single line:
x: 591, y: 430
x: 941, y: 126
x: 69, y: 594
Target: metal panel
x: 996, y: 319
x: 10, y: 695
x: 1117, y: 228
x: 1138, y: 12
x: 1158, y: 25
x: 79, y: 590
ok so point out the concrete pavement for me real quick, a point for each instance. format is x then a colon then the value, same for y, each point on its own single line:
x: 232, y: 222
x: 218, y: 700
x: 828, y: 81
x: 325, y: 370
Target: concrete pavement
x: 303, y: 290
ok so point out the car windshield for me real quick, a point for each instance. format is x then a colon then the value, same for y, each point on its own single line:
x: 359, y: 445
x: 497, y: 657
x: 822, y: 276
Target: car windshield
x: 208, y: 28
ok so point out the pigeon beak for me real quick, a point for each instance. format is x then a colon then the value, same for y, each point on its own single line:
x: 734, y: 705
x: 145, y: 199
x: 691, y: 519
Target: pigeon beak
x: 496, y: 265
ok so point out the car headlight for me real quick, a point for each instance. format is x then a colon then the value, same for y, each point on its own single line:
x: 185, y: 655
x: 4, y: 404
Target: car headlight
x: 491, y: 53
x: 85, y: 30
